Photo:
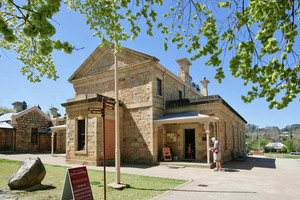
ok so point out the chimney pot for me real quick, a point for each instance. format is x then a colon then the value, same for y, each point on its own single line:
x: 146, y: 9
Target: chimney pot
x: 204, y: 83
x: 17, y: 106
x: 54, y: 112
x: 184, y: 69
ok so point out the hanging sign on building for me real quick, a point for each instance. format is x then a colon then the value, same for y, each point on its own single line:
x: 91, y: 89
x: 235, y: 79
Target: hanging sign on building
x: 77, y: 185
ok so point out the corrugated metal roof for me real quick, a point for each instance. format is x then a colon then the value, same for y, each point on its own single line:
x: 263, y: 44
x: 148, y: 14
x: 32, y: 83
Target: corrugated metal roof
x: 6, y: 117
x: 5, y: 125
x: 276, y: 145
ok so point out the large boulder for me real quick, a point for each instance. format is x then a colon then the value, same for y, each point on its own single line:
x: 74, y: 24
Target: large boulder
x: 30, y: 173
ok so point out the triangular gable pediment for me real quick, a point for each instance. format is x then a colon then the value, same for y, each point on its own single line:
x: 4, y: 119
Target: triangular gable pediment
x: 102, y: 60
x: 15, y: 116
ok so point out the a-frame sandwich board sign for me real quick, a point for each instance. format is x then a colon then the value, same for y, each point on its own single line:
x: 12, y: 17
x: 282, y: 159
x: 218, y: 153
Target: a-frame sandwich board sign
x: 77, y: 185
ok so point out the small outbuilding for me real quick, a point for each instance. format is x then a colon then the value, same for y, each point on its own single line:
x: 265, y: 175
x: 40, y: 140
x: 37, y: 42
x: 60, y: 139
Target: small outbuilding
x: 275, y: 146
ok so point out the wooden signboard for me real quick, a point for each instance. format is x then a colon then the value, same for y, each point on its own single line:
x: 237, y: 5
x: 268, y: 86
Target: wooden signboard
x: 77, y: 185
x: 167, y: 154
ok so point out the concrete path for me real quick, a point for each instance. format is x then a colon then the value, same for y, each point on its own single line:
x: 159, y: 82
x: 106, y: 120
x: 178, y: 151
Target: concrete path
x: 254, y: 178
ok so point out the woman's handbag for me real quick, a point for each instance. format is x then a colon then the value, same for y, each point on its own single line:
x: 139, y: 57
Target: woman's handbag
x: 216, y: 151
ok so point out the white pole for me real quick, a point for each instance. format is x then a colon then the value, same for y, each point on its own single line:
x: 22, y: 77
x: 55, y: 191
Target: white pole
x: 117, y: 126
x: 206, y: 126
x: 52, y: 143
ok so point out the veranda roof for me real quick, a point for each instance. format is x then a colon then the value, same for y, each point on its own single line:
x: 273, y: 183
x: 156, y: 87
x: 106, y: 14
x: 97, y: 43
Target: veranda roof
x: 186, y: 117
x: 48, y: 130
x: 60, y: 127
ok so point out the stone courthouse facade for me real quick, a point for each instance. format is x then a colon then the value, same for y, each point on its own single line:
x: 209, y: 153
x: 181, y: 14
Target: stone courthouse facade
x: 158, y: 109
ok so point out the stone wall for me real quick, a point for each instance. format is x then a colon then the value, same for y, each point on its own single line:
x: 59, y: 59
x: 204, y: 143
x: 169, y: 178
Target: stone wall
x: 135, y: 91
x: 92, y: 154
x: 170, y: 91
x: 60, y: 141
x: 171, y: 87
x: 23, y: 127
x: 134, y: 85
x: 137, y: 136
x: 73, y: 155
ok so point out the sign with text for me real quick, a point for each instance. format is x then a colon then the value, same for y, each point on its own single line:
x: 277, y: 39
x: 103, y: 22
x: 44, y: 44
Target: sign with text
x: 77, y: 185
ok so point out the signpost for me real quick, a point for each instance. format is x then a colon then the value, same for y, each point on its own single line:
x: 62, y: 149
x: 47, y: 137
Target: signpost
x: 107, y: 104
x: 77, y: 185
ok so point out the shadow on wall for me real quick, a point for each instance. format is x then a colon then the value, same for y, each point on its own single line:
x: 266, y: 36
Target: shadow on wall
x: 250, y: 163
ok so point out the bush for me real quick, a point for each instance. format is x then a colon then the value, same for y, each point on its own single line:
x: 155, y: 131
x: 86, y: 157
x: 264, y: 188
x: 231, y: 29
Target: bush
x: 266, y: 149
x: 283, y: 150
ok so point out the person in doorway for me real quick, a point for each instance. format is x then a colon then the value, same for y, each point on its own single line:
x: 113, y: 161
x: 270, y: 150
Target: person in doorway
x: 217, y: 153
x: 189, y: 152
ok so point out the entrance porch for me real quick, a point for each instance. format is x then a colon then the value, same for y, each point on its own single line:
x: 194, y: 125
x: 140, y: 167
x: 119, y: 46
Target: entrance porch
x: 180, y: 130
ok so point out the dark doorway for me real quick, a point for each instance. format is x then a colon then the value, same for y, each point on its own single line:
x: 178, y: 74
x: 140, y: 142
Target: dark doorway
x: 190, y: 139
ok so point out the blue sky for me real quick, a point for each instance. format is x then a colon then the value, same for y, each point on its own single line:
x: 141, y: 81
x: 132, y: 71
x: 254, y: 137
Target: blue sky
x: 15, y: 87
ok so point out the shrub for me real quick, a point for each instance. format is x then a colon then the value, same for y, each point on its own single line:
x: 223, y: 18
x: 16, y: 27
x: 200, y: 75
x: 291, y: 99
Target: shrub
x: 283, y: 150
x: 266, y: 149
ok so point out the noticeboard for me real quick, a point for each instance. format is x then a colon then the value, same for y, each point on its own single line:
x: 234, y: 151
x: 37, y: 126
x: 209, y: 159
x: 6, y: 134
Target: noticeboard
x: 77, y: 185
x: 171, y: 137
x: 167, y: 154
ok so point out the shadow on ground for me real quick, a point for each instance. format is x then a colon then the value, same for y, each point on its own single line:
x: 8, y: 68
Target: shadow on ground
x: 249, y: 164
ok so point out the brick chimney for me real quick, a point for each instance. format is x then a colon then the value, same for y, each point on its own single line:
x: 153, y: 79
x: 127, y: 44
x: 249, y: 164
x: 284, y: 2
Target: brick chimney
x: 184, y: 69
x: 204, y: 83
x: 17, y: 106
x: 54, y: 112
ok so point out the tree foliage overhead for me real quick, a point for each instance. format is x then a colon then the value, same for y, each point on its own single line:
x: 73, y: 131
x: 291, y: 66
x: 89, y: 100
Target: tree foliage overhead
x: 27, y: 28
x: 257, y: 37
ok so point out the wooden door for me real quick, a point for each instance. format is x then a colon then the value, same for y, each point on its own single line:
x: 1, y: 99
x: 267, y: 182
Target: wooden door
x: 158, y: 145
x: 109, y: 139
x: 0, y: 140
x: 45, y: 142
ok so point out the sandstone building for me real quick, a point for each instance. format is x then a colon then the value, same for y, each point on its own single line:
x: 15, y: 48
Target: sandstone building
x: 158, y: 109
x: 28, y: 130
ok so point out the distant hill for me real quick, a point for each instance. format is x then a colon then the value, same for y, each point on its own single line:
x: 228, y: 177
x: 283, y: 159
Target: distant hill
x: 292, y: 129
x: 289, y: 135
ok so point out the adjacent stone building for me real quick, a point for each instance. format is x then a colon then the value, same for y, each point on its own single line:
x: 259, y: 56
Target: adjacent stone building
x: 28, y: 130
x: 158, y: 109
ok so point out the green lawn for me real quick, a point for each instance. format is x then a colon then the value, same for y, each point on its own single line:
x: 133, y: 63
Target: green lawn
x: 142, y: 187
x: 281, y: 155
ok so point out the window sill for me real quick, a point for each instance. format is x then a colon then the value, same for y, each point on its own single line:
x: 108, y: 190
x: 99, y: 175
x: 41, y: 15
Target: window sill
x: 82, y: 152
x: 159, y: 96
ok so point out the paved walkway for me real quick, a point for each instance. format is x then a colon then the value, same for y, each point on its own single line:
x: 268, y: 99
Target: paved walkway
x: 254, y: 178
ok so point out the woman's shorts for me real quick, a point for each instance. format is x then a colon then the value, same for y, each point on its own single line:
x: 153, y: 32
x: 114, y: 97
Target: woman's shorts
x: 218, y: 155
